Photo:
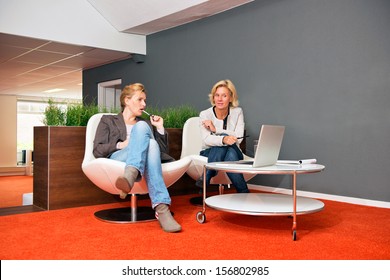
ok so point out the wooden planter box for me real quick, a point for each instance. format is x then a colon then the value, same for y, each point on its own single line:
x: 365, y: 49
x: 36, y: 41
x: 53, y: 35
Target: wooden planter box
x: 175, y: 140
x: 59, y: 181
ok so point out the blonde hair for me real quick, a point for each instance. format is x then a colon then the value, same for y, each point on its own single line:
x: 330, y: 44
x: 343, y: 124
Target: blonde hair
x: 129, y: 91
x: 232, y: 89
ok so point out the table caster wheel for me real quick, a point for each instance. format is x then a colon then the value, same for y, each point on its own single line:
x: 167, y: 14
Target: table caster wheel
x: 200, y: 217
x: 294, y: 235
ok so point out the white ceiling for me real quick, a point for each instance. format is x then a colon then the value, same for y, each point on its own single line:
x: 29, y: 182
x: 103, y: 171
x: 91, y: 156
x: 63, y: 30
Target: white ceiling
x: 29, y: 66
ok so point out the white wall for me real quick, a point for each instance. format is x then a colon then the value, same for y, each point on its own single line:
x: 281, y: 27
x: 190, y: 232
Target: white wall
x: 8, y: 110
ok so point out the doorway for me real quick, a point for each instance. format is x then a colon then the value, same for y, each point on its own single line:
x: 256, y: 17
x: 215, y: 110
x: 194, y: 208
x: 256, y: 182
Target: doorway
x: 109, y: 95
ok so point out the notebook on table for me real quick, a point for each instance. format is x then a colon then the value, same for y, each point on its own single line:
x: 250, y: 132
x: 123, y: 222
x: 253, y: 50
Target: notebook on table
x: 268, y: 147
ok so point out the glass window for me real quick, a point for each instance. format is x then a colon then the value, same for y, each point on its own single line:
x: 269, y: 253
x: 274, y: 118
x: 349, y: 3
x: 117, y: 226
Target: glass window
x: 30, y: 114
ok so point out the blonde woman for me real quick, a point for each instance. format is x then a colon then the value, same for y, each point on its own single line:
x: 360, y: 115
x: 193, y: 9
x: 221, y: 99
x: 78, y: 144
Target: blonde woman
x: 222, y: 128
x: 142, y: 145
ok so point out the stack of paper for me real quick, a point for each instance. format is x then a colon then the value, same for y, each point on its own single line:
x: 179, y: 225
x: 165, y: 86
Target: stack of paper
x: 300, y: 161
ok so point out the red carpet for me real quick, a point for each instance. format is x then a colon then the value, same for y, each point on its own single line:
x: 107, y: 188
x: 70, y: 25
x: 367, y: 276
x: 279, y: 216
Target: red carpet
x: 12, y: 189
x: 340, y: 231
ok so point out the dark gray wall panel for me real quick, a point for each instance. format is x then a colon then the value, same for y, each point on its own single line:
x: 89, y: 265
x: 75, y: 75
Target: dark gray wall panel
x: 322, y: 68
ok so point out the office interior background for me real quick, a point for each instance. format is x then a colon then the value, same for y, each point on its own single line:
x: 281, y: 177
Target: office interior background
x: 321, y: 68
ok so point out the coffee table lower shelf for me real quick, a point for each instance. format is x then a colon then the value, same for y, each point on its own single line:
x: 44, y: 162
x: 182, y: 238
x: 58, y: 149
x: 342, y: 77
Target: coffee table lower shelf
x: 261, y: 204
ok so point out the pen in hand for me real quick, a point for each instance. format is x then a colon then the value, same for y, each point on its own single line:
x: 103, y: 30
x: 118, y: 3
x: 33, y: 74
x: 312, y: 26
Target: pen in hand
x: 243, y: 137
x: 152, y: 116
x: 147, y: 113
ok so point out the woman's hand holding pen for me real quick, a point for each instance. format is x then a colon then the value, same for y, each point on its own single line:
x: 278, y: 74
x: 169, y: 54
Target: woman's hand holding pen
x: 230, y: 139
x: 157, y: 121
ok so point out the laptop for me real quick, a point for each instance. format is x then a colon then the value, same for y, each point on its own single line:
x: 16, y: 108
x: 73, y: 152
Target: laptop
x: 268, y: 147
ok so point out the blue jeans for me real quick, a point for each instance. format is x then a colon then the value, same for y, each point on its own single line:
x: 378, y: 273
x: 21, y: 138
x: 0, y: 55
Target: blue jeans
x: 143, y: 153
x: 226, y: 153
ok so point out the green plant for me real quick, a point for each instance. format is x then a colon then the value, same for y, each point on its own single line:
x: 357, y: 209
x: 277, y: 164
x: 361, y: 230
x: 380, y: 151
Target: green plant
x: 54, y: 114
x: 174, y: 117
x: 76, y: 114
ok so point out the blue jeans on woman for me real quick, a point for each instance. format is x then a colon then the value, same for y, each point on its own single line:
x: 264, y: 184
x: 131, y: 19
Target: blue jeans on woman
x: 143, y: 153
x: 226, y: 153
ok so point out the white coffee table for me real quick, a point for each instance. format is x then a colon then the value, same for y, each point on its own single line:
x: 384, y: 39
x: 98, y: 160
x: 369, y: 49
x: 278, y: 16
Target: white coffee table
x: 262, y: 204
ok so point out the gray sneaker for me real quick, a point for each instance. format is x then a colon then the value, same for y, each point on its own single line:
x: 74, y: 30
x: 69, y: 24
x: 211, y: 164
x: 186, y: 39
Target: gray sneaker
x: 125, y: 183
x: 166, y: 220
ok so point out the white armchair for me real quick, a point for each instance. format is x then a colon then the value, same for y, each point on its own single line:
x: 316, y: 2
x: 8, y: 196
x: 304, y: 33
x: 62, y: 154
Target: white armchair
x: 103, y: 172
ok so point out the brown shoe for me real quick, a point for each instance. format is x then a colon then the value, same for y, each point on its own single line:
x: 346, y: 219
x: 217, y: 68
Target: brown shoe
x: 165, y: 218
x: 125, y: 183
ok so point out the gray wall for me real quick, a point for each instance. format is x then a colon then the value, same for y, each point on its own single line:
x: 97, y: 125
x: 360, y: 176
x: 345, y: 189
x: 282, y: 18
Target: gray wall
x: 322, y: 68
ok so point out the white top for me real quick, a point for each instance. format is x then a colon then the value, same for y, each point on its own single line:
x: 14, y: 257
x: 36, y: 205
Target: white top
x: 235, y: 126
x: 129, y: 127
